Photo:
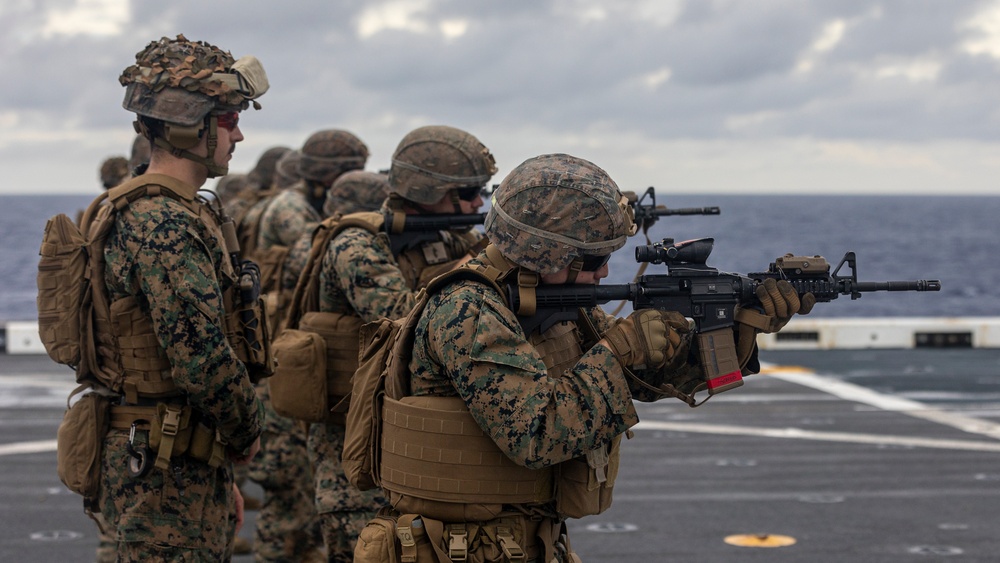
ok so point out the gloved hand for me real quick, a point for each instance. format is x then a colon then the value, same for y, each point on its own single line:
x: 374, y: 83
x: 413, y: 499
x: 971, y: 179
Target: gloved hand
x: 780, y: 302
x: 648, y: 338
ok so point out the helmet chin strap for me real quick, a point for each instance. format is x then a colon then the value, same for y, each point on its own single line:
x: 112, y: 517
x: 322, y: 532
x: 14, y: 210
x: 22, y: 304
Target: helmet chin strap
x: 179, y: 139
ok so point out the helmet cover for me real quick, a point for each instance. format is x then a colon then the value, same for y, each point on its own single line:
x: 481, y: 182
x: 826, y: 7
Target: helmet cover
x: 554, y: 208
x: 432, y: 160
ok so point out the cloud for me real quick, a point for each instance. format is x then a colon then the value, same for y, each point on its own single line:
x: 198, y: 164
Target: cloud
x: 891, y: 76
x: 87, y: 17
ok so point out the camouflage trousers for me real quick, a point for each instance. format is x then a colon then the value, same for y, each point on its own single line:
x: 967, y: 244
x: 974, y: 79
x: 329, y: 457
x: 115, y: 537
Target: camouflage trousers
x: 343, y: 508
x: 185, y: 513
x: 107, y: 547
x: 287, y: 527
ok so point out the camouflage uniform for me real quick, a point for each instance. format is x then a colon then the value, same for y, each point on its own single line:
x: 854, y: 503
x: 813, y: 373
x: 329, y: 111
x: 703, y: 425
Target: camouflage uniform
x: 286, y: 218
x: 173, y: 265
x: 287, y: 526
x: 361, y: 276
x: 230, y: 190
x: 169, y: 264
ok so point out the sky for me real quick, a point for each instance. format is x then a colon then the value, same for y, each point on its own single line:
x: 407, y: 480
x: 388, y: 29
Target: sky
x: 690, y: 96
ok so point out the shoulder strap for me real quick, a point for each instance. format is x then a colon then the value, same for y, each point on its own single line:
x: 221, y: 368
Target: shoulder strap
x: 397, y: 385
x: 305, y: 297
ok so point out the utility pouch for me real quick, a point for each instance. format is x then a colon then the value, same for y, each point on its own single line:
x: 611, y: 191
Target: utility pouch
x: 249, y: 335
x: 584, y: 485
x: 79, y: 444
x: 298, y: 387
x: 377, y: 542
x: 170, y: 433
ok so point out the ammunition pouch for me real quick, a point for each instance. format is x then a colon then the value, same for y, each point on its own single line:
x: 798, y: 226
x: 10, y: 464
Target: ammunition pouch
x: 174, y: 430
x: 315, y: 365
x: 410, y: 538
x: 584, y: 485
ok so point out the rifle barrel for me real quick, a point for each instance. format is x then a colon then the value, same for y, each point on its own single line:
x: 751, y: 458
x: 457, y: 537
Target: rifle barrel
x: 687, y: 211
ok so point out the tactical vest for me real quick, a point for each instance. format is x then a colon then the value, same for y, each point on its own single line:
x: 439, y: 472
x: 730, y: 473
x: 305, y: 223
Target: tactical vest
x: 126, y: 352
x: 437, y: 462
x: 119, y: 347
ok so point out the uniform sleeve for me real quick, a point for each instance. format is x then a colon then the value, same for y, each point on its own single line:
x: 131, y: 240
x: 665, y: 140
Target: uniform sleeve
x: 176, y: 275
x: 537, y: 420
x: 368, y: 275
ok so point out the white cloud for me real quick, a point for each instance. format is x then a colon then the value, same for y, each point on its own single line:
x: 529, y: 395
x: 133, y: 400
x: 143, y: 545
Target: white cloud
x: 986, y: 27
x: 453, y: 29
x: 397, y: 14
x: 88, y: 17
x: 657, y: 78
x: 829, y: 37
x: 917, y: 70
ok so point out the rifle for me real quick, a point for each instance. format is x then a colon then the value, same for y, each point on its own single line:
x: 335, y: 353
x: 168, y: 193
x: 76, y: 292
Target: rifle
x: 648, y: 213
x: 406, y: 231
x: 703, y: 294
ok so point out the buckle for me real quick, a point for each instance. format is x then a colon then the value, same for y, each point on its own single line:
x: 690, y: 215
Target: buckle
x: 171, y: 421
x: 458, y: 544
x: 511, y: 550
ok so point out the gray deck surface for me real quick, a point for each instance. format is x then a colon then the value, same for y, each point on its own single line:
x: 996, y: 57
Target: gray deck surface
x: 867, y: 456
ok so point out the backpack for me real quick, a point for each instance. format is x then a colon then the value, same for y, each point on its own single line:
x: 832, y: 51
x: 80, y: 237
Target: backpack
x: 70, y: 304
x: 317, y: 351
x: 386, y: 349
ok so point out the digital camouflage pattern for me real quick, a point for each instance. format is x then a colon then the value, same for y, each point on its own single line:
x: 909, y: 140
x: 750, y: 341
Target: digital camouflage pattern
x: 286, y: 218
x: 469, y: 344
x: 360, y: 276
x: 114, y: 171
x: 553, y: 208
x: 287, y: 527
x: 432, y: 160
x: 329, y: 153
x: 355, y: 191
x: 176, y: 266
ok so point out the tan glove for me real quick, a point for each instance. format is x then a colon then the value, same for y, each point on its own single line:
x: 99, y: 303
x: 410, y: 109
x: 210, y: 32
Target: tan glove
x: 780, y: 302
x: 647, y: 338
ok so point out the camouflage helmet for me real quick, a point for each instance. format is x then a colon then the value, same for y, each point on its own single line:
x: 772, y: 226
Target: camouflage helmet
x: 114, y: 170
x: 555, y: 208
x: 230, y: 186
x: 184, y: 86
x: 432, y: 160
x: 329, y: 153
x: 356, y: 190
x: 262, y: 175
x: 181, y: 81
x: 286, y: 170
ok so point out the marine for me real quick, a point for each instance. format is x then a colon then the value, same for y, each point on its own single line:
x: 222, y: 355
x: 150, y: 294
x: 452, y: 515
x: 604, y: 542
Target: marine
x: 531, y: 419
x: 287, y: 525
x: 170, y: 278
x: 434, y: 170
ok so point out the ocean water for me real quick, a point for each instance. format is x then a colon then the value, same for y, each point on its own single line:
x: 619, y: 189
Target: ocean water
x: 952, y: 239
